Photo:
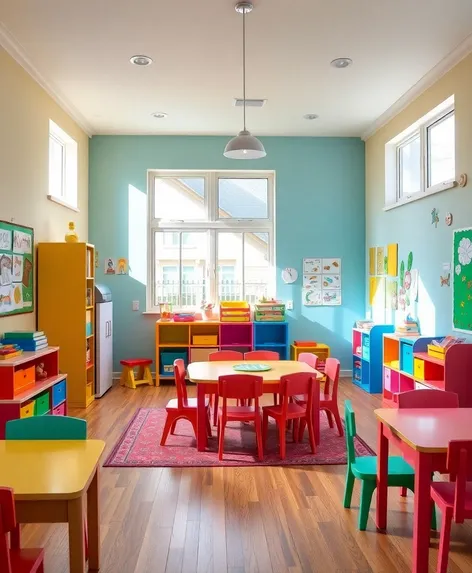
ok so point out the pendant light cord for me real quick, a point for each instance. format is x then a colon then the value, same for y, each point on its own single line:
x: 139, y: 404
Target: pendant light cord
x: 244, y: 67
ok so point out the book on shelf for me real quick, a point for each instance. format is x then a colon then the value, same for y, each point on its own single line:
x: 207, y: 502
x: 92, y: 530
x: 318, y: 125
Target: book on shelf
x: 365, y: 324
x: 28, y: 334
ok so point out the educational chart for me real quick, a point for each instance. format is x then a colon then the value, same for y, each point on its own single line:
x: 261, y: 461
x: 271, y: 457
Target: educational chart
x: 16, y: 269
x: 321, y: 282
x: 462, y: 281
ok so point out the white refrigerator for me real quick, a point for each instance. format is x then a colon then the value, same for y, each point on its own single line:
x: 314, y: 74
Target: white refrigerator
x: 103, y: 340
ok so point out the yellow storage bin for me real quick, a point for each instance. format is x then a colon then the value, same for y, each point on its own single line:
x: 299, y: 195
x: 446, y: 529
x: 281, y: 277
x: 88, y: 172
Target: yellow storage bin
x: 27, y: 410
x: 437, y: 351
x: 418, y: 368
x: 205, y: 339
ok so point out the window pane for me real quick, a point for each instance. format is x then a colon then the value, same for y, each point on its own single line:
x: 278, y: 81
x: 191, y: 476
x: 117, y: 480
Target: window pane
x: 243, y: 198
x: 179, y: 198
x: 230, y: 266
x: 180, y: 272
x: 410, y: 168
x: 441, y: 151
x: 56, y: 167
x: 256, y: 266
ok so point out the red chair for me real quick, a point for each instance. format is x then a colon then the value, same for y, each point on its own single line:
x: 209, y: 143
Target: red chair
x: 13, y: 559
x: 262, y: 355
x: 301, y: 383
x: 215, y: 357
x: 454, y: 499
x: 182, y: 408
x: 308, y: 358
x: 428, y: 398
x: 241, y: 387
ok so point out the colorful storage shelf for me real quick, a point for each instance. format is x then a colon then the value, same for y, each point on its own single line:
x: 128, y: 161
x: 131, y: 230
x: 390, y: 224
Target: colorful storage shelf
x: 21, y: 395
x: 194, y: 341
x: 408, y: 366
x: 367, y: 357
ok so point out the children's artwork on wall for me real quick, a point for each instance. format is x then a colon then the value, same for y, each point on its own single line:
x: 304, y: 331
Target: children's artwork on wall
x: 380, y: 260
x: 312, y: 282
x: 331, y: 281
x: 372, y: 289
x: 97, y: 261
x: 391, y: 295
x: 312, y: 297
x: 331, y: 266
x: 331, y: 297
x: 462, y: 280
x: 318, y: 287
x: 110, y: 266
x: 17, y: 268
x: 122, y: 266
x: 392, y: 260
x: 311, y: 266
x: 5, y: 240
x: 445, y: 280
x: 435, y: 217
x: 448, y: 219
x: 6, y: 267
x: 372, y: 261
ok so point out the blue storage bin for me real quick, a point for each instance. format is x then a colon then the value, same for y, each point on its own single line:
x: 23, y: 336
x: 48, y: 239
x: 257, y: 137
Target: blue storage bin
x: 406, y: 356
x: 167, y: 358
x: 58, y: 393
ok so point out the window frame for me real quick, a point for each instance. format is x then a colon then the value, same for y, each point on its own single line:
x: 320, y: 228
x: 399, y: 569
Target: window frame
x: 211, y: 225
x: 68, y: 196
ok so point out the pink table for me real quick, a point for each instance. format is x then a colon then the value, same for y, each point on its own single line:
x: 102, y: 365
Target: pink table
x: 423, y: 435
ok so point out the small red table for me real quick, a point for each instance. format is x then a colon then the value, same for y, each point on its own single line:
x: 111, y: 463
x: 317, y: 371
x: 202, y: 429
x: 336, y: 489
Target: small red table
x: 423, y: 435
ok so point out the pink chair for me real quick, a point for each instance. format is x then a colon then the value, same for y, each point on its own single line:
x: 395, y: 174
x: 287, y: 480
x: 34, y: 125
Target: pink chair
x: 221, y: 355
x: 241, y: 387
x: 308, y: 358
x: 262, y: 355
x: 182, y: 407
x: 428, y: 398
x: 454, y: 499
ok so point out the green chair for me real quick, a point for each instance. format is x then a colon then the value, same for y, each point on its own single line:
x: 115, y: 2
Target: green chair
x: 400, y: 473
x: 46, y: 428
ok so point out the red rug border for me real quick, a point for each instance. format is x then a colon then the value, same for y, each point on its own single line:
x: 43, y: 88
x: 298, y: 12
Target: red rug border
x: 109, y: 463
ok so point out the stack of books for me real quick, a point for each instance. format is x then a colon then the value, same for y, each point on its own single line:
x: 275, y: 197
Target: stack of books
x: 9, y: 351
x: 29, y: 341
x: 409, y: 327
x: 365, y: 324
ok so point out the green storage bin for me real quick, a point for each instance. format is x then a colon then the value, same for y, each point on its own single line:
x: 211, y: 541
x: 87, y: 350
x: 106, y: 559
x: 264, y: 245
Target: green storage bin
x: 41, y: 404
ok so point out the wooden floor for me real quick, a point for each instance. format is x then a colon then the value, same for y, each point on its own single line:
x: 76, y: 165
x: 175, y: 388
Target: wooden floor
x: 237, y: 520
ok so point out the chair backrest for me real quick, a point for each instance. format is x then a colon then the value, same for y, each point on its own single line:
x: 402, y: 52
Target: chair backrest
x: 261, y: 355
x: 308, y: 358
x: 179, y: 373
x: 46, y: 428
x: 459, y: 465
x: 7, y: 524
x: 332, y: 367
x: 428, y: 398
x: 351, y: 431
x: 225, y: 355
x: 240, y: 386
x: 300, y: 383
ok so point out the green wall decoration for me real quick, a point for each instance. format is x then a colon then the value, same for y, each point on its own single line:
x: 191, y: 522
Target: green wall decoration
x: 462, y: 281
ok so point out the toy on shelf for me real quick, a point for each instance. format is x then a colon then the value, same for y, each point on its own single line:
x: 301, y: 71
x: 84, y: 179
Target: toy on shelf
x: 71, y: 235
x: 367, y: 355
x: 41, y: 374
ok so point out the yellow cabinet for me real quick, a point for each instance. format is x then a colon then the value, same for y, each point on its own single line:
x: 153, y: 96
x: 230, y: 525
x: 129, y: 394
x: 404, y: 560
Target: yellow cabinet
x: 419, y: 368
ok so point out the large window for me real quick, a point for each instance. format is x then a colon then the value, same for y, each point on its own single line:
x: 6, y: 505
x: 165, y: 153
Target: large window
x: 421, y: 160
x: 211, y: 237
x: 62, y: 167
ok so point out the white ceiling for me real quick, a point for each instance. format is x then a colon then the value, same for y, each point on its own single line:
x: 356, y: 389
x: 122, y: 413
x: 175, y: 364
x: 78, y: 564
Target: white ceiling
x: 82, y: 50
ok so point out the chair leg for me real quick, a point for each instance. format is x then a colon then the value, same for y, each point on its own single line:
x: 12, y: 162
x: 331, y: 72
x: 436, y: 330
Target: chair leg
x: 339, y: 424
x: 348, y: 488
x: 258, y: 425
x: 275, y: 399
x: 282, y: 444
x: 265, y: 427
x: 215, y: 410
x: 172, y: 430
x: 301, y: 431
x: 208, y: 425
x: 330, y: 418
x: 443, y: 555
x: 367, y: 489
x: 434, y: 524
x: 167, y: 426
x: 311, y: 436
x: 403, y: 492
x: 296, y: 431
x: 15, y: 537
x: 221, y: 440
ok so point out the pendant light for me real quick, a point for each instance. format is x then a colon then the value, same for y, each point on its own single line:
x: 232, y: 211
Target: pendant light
x: 244, y: 145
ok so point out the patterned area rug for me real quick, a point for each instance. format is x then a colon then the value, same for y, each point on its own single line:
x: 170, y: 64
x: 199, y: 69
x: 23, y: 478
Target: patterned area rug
x: 139, y: 446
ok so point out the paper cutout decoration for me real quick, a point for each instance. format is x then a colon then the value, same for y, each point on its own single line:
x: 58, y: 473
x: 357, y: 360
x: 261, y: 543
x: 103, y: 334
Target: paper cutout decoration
x: 392, y: 260
x: 372, y: 261
x: 110, y: 266
x: 445, y: 280
x: 391, y: 301
x: 380, y: 260
x: 122, y: 266
x: 435, y: 217
x: 414, y: 285
x: 448, y: 219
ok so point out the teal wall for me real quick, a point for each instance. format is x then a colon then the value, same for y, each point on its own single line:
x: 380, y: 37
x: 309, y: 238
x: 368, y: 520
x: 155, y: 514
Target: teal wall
x: 319, y: 213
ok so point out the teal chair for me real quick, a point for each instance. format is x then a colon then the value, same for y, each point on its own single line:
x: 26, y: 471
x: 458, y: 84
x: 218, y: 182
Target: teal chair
x: 400, y: 473
x: 46, y: 428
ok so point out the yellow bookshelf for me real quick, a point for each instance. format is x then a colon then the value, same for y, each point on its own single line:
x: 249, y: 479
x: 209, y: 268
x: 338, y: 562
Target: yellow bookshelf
x: 66, y: 313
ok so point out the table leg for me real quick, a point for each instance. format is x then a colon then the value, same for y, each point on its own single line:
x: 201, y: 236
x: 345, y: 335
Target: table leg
x: 382, y: 479
x: 93, y: 524
x: 422, y: 512
x: 75, y: 515
x: 202, y: 438
x: 316, y: 413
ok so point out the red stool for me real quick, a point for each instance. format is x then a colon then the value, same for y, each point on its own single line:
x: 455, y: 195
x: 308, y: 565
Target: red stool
x: 143, y: 376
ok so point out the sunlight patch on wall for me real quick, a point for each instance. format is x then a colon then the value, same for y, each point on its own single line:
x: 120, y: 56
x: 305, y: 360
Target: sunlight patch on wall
x: 426, y: 311
x: 137, y: 234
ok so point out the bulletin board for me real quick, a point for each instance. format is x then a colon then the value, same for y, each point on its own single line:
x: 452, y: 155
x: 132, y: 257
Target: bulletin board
x: 17, y: 270
x: 462, y: 281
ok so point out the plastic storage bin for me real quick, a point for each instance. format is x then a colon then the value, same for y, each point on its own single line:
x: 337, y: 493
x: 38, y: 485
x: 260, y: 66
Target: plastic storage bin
x: 58, y: 393
x: 167, y: 358
x: 235, y: 311
x: 41, y: 404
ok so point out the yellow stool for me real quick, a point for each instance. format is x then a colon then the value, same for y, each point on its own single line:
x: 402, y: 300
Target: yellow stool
x: 144, y: 375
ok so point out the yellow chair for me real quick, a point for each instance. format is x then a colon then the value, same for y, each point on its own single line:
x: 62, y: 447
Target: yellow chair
x: 144, y: 375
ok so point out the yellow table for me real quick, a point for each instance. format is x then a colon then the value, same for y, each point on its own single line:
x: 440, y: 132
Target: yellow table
x: 206, y: 374
x: 50, y: 480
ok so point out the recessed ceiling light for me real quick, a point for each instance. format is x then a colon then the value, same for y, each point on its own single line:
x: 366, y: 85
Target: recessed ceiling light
x: 141, y: 60
x: 311, y: 116
x: 159, y: 115
x: 341, y: 63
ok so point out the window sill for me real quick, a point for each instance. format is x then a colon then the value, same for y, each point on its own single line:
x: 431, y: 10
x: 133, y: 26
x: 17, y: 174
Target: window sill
x: 63, y: 203
x: 432, y: 191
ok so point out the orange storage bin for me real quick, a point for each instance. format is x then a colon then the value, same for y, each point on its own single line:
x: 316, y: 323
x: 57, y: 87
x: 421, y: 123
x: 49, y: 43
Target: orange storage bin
x: 24, y: 378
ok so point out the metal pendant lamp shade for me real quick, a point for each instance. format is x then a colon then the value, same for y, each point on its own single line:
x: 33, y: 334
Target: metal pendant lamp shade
x: 244, y: 145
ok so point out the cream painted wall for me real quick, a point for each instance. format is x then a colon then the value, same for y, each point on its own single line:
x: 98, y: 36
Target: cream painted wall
x: 25, y: 110
x: 410, y: 225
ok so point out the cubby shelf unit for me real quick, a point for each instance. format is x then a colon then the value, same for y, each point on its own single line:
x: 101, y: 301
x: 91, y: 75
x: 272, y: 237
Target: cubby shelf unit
x: 367, y: 357
x: 195, y: 341
x: 408, y: 366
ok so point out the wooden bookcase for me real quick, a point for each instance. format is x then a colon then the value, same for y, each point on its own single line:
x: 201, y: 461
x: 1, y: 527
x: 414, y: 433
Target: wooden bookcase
x: 408, y: 366
x: 367, y: 357
x: 21, y: 395
x: 66, y: 312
